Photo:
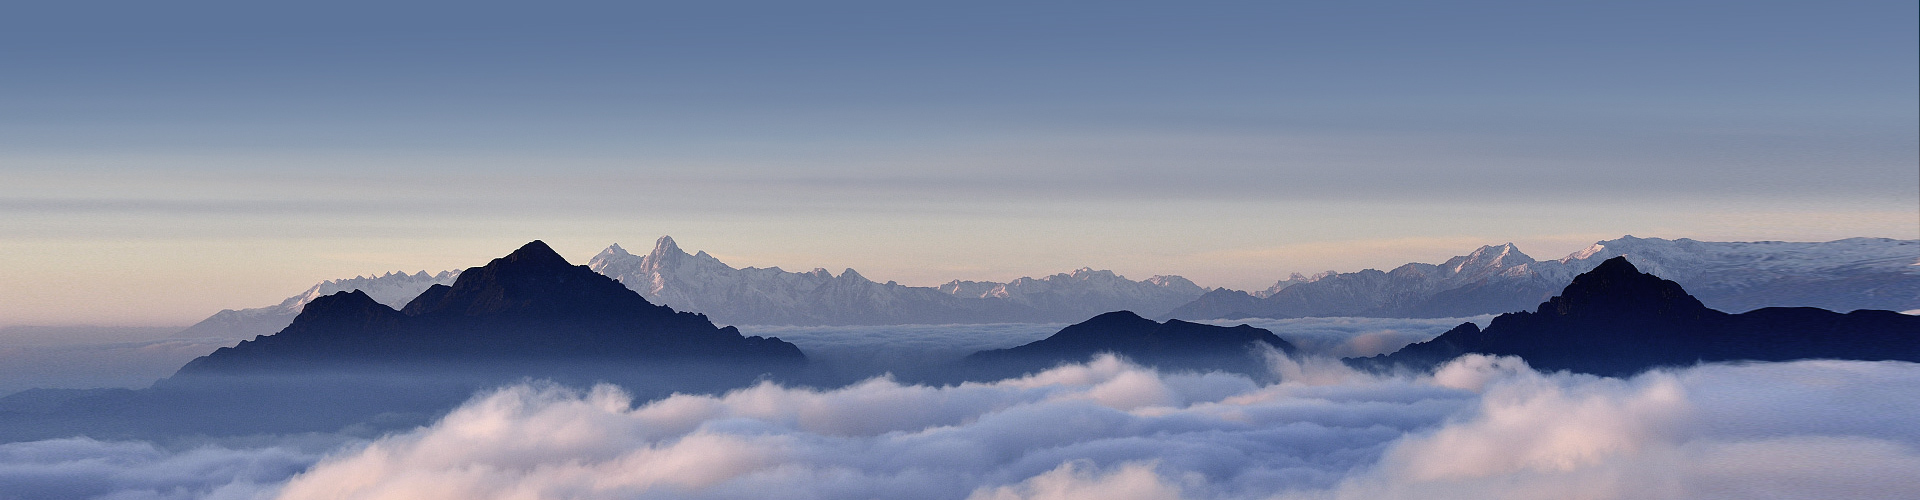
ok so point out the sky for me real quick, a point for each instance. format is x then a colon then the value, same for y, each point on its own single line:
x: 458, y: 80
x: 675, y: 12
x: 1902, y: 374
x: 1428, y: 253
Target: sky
x: 162, y: 161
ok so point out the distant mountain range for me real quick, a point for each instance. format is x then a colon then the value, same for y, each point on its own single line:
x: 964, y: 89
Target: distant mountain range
x: 393, y: 289
x: 771, y: 296
x: 1615, y: 320
x: 1843, y: 275
x: 349, y: 360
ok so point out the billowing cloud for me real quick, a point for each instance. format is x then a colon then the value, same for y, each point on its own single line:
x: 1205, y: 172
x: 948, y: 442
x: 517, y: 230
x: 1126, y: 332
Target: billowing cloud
x: 1347, y: 337
x: 905, y: 350
x: 125, y: 470
x: 1479, y: 427
x: 914, y: 350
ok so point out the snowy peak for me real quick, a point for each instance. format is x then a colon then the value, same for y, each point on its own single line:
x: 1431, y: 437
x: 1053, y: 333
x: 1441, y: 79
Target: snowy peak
x: 664, y: 246
x: 1841, y: 275
x: 1294, y: 279
x: 753, y: 295
x: 1486, y: 259
x: 393, y: 289
x: 1684, y: 259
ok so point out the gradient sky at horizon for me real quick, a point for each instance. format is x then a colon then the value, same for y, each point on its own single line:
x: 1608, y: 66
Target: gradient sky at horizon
x: 161, y: 161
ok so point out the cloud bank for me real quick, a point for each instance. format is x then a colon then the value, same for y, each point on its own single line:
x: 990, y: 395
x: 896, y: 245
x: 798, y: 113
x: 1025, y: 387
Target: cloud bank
x: 91, y: 365
x: 124, y: 470
x: 1479, y: 427
x: 1347, y: 337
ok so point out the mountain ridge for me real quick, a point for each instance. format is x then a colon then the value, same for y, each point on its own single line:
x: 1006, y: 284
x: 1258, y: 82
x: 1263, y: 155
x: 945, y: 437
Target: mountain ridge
x: 1615, y: 320
x: 1846, y: 274
x: 529, y: 304
x: 774, y: 296
x: 1169, y: 345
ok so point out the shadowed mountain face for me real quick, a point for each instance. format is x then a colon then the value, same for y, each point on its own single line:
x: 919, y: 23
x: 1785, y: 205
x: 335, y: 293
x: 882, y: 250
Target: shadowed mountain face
x: 1616, y: 320
x: 530, y: 305
x: 1174, y: 345
x: 348, y: 361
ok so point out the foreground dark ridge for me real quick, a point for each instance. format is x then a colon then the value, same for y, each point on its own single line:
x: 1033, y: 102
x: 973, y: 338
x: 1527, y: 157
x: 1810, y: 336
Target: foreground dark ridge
x: 1616, y: 321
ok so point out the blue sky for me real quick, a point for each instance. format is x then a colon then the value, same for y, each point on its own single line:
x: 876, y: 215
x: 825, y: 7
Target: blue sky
x: 165, y: 160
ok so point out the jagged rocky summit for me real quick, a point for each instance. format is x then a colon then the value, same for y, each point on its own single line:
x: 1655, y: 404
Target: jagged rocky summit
x: 771, y: 296
x: 1843, y: 275
x: 1173, y: 345
x: 1848, y: 274
x: 531, y: 305
x: 1615, y: 320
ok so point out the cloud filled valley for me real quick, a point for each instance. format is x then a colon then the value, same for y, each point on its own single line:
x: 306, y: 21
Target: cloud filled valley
x: 1479, y: 427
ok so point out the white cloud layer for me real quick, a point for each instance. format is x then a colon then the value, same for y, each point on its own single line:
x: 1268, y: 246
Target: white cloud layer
x: 1347, y: 337
x: 90, y: 365
x: 1480, y: 427
x: 125, y: 470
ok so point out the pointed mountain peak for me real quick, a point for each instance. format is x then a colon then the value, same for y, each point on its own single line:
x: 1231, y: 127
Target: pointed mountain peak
x: 1617, y: 288
x: 535, y: 253
x: 531, y: 281
x: 352, y: 298
x: 615, y: 249
x: 1488, y: 257
x: 1617, y: 266
x: 852, y: 275
x: 665, y: 245
x: 1504, y: 254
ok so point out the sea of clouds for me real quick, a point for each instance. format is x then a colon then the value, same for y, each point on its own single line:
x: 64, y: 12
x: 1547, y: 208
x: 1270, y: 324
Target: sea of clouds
x: 91, y: 357
x: 912, y: 350
x: 1479, y: 427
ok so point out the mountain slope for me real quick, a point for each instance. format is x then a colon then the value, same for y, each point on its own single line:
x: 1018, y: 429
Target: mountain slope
x: 1615, y: 320
x: 1856, y: 273
x: 530, y: 305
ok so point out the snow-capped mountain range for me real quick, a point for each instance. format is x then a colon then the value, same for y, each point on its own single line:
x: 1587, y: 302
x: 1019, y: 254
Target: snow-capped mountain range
x: 699, y: 282
x: 1842, y: 275
x: 393, y: 289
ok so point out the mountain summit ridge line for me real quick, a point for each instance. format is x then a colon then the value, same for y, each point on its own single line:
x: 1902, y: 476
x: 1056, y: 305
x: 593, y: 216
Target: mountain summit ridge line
x: 1847, y: 274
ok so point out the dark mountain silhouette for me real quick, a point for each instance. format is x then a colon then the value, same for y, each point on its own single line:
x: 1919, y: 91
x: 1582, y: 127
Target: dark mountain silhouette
x: 1616, y: 320
x: 350, y: 362
x: 1843, y: 275
x: 530, y: 305
x: 1174, y: 345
